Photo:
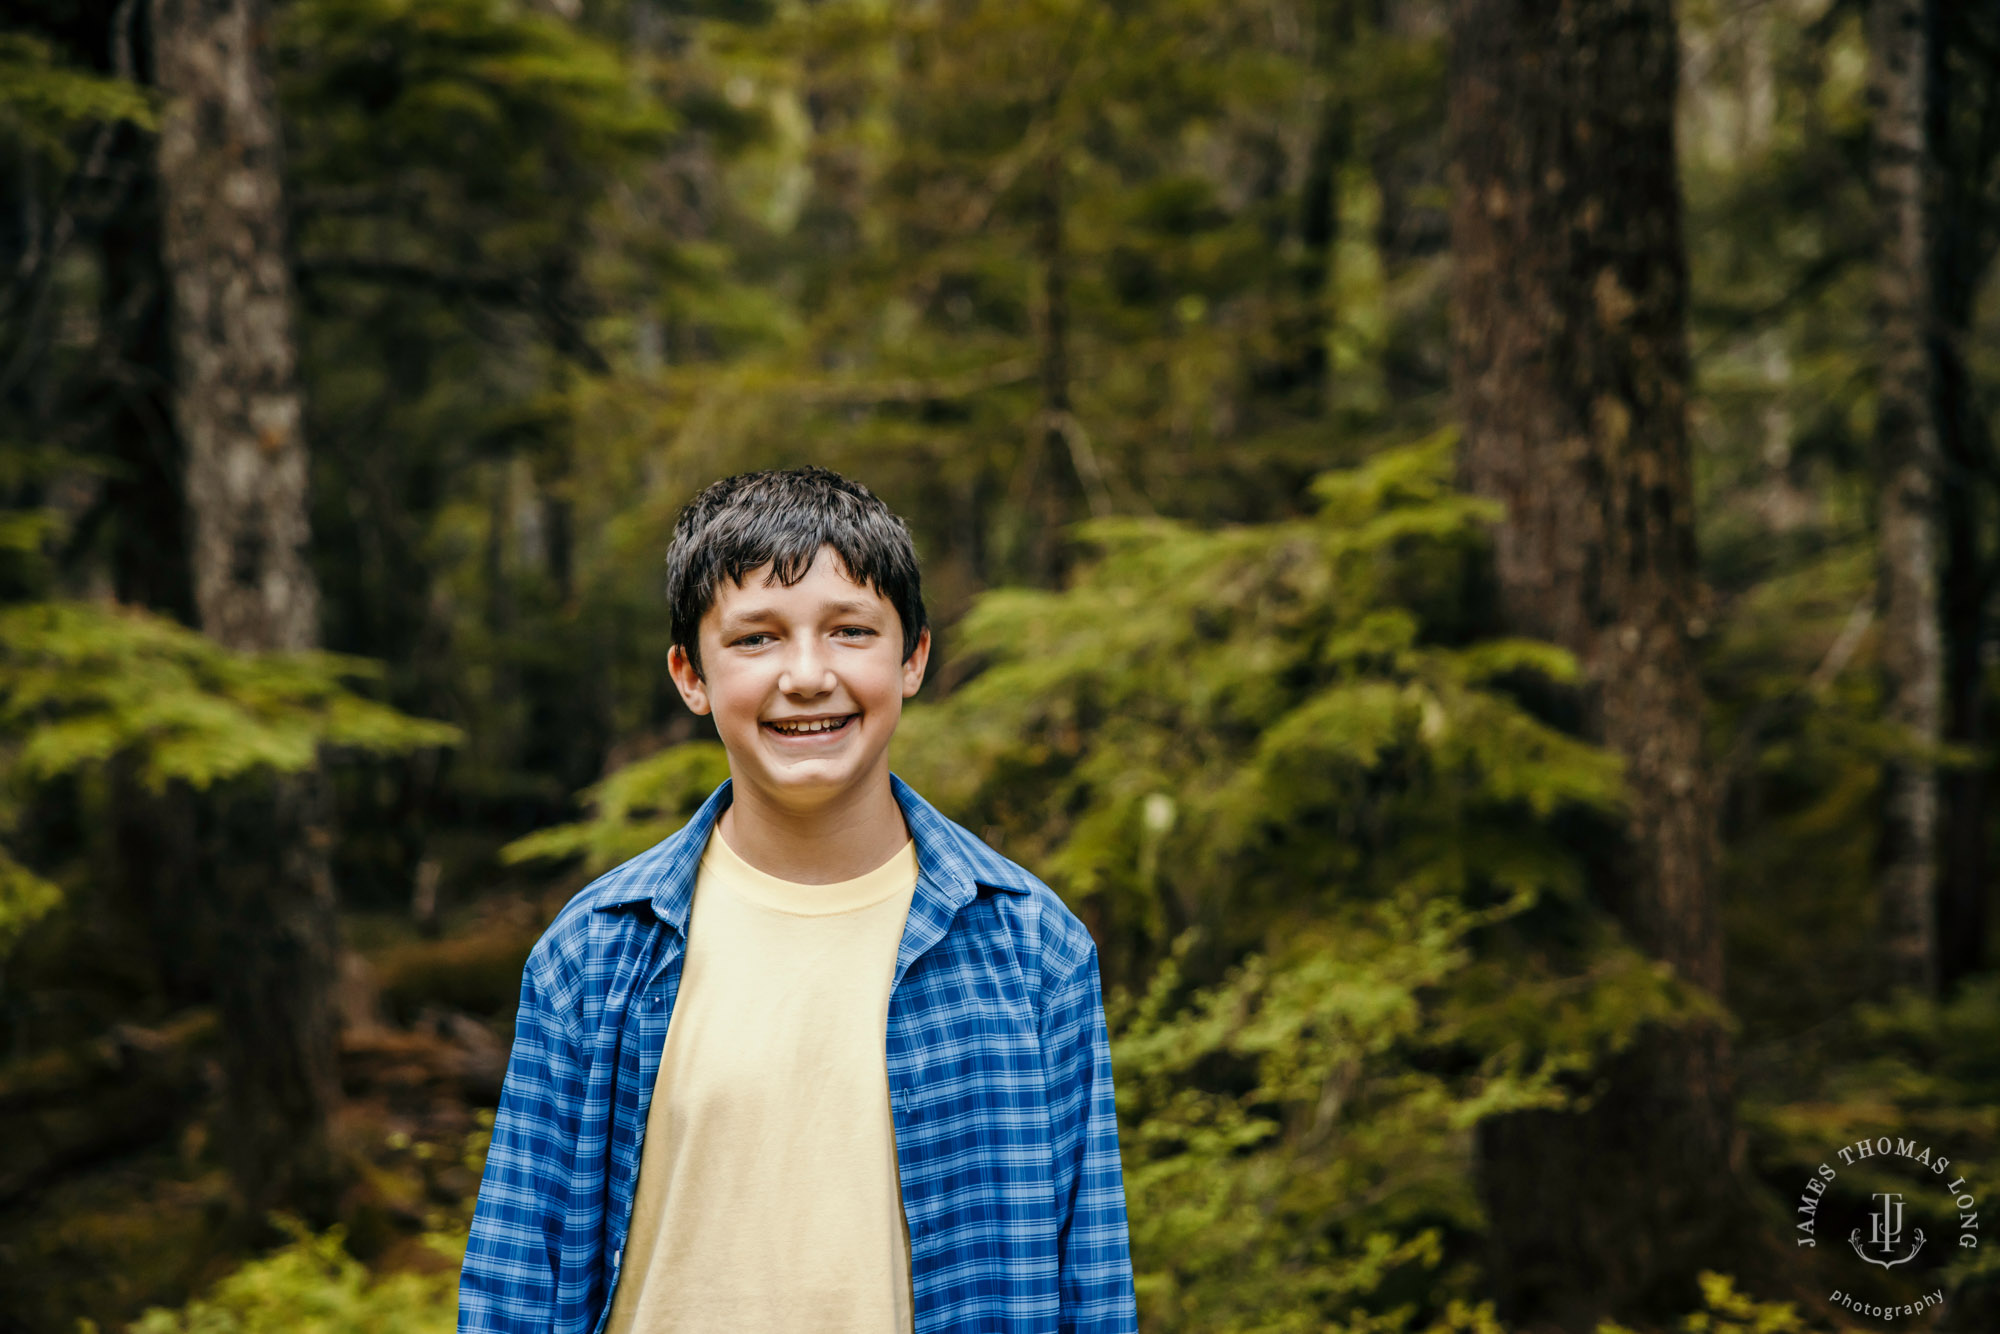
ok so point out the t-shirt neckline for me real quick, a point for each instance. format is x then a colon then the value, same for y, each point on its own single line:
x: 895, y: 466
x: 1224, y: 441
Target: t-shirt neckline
x: 897, y: 874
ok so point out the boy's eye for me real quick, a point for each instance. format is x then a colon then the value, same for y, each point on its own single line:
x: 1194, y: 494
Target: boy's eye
x: 751, y: 640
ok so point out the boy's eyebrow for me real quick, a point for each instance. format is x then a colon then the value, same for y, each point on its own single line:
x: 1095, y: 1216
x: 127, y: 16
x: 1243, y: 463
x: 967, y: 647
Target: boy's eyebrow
x: 754, y: 615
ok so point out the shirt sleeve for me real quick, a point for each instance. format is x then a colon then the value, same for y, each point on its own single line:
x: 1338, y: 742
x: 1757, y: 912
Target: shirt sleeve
x: 1093, y: 1246
x: 508, y: 1282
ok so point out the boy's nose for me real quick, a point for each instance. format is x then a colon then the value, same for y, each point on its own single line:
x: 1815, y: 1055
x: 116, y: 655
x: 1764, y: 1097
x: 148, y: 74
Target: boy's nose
x: 806, y: 672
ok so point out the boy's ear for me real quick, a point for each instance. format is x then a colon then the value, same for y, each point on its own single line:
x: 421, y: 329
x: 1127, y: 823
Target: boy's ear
x: 913, y: 666
x: 694, y: 691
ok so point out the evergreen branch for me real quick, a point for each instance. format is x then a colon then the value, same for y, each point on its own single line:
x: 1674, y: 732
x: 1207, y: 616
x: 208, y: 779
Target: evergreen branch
x: 915, y: 390
x: 1817, y: 277
x: 37, y: 266
x: 1830, y: 666
x: 521, y: 292
x: 496, y: 288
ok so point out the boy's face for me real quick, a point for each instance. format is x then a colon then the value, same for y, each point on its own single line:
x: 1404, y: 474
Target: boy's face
x: 826, y: 650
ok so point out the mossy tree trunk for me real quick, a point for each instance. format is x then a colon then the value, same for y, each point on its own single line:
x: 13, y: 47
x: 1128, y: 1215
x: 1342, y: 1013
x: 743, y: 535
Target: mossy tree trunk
x: 268, y: 927
x: 1908, y: 510
x: 1570, y: 373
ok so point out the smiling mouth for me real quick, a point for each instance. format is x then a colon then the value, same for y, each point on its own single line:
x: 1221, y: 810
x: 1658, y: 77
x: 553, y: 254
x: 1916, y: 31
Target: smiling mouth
x: 823, y: 727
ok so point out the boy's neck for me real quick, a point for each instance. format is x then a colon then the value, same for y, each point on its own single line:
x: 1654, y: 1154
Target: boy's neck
x: 848, y: 836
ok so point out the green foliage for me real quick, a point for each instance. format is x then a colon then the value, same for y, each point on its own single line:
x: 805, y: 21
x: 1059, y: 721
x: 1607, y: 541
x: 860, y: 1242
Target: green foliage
x: 25, y: 898
x: 877, y: 269
x: 632, y: 809
x: 1727, y: 1311
x: 1219, y: 725
x: 313, y: 1286
x: 477, y: 122
x: 1785, y: 327
x: 58, y: 123
x: 42, y: 100
x: 1263, y: 730
x: 1319, y: 1197
x: 457, y: 172
x: 83, y: 683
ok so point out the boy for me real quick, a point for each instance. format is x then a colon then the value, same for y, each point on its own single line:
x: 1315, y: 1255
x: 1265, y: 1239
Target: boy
x: 873, y: 1089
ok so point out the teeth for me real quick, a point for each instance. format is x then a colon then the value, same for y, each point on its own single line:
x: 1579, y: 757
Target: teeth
x: 797, y: 729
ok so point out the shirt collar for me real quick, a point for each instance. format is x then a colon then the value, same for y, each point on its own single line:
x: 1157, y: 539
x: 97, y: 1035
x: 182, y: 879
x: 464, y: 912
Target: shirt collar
x: 951, y: 863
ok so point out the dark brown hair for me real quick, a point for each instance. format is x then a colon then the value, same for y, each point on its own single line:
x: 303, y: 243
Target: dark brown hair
x: 784, y: 516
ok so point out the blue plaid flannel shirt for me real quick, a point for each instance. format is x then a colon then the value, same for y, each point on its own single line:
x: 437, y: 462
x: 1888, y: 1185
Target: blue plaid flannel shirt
x: 999, y: 1069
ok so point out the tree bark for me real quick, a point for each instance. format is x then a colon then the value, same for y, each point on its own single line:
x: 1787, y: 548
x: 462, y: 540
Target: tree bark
x: 1062, y: 466
x: 1907, y: 456
x: 1570, y: 373
x: 269, y: 931
x: 1962, y: 118
x: 1319, y: 205
x: 237, y: 403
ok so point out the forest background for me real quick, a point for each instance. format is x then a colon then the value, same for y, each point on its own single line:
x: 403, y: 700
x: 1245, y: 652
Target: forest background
x: 1462, y: 538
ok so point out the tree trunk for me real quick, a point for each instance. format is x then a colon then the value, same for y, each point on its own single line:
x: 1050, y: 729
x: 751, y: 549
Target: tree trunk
x: 269, y: 930
x: 1062, y: 466
x: 1962, y: 118
x: 1319, y: 206
x: 237, y: 403
x: 1570, y: 373
x: 1906, y: 441
x: 1409, y: 170
x: 149, y: 547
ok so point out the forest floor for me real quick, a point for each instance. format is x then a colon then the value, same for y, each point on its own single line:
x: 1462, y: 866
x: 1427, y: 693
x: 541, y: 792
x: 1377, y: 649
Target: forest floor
x: 125, y: 1204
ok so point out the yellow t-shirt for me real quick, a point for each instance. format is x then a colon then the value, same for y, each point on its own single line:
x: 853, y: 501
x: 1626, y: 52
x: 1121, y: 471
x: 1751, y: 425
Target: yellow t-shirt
x: 768, y: 1199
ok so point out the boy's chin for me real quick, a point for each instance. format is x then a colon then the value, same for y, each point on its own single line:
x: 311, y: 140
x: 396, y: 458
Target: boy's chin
x: 803, y: 778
